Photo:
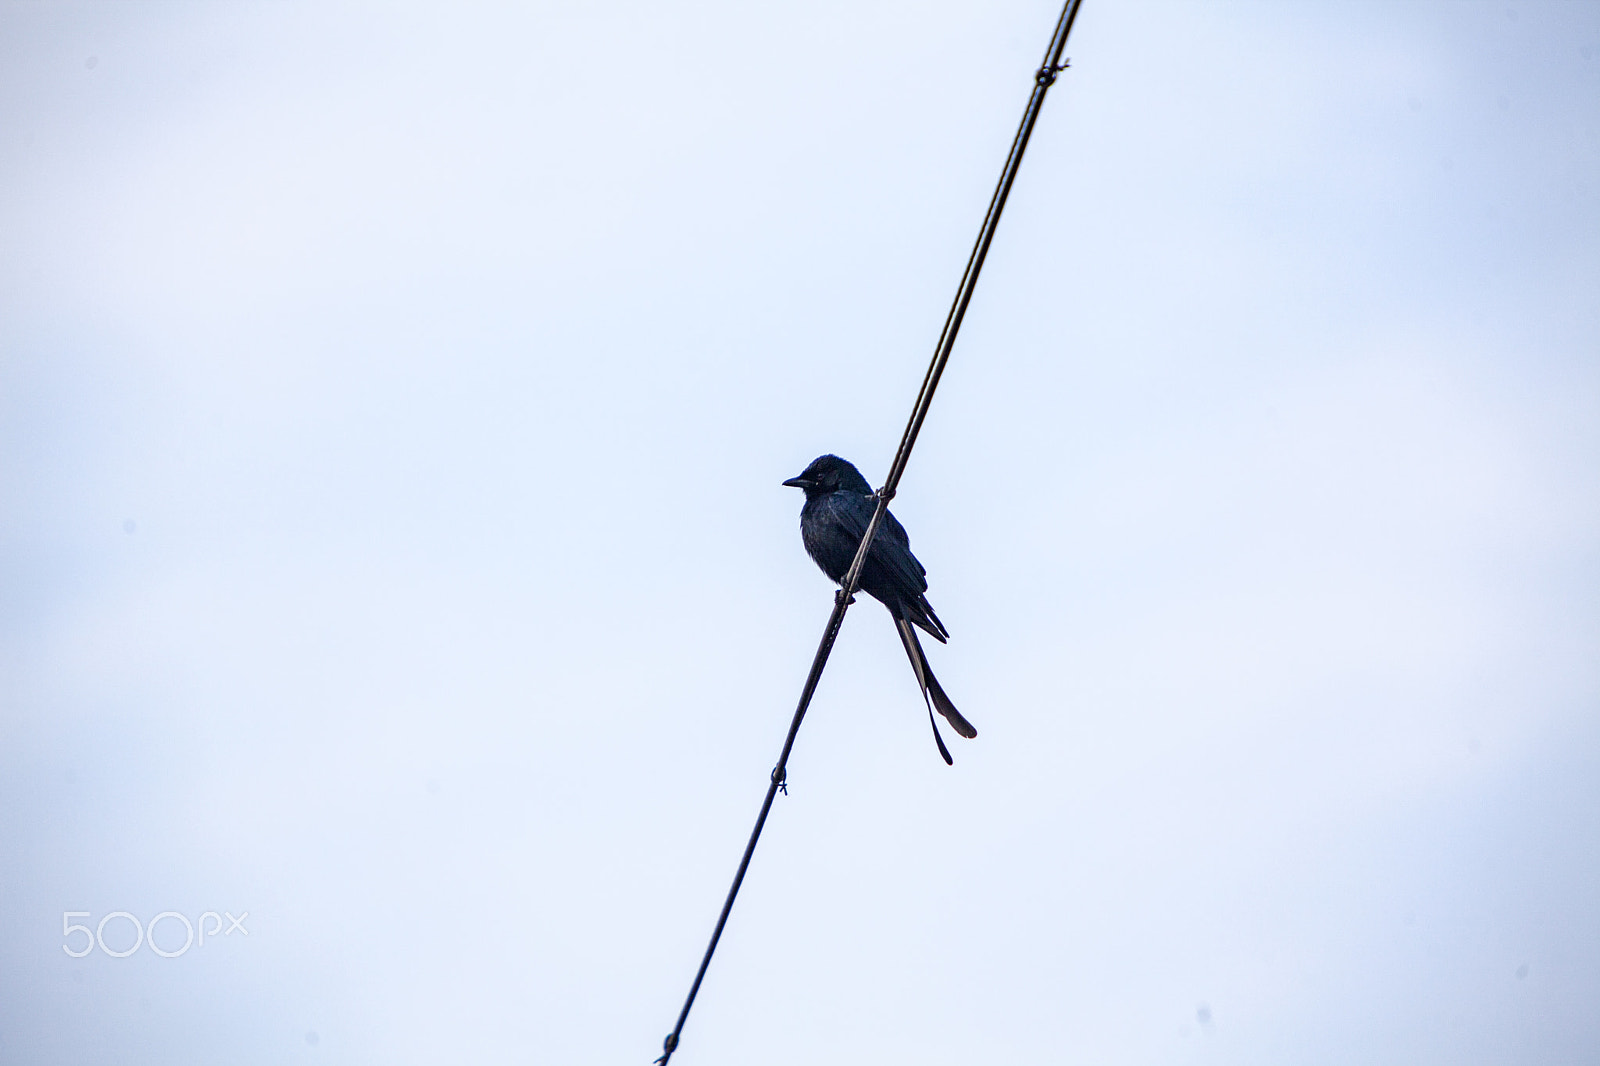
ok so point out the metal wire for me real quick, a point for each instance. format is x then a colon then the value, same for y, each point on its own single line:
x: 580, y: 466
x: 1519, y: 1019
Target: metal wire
x: 1043, y: 78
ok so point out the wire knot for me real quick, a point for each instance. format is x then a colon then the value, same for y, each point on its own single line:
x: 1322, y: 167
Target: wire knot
x: 1046, y: 76
x: 780, y: 777
x: 669, y: 1045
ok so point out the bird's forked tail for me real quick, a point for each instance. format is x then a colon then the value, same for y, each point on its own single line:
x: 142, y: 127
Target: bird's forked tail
x: 932, y: 694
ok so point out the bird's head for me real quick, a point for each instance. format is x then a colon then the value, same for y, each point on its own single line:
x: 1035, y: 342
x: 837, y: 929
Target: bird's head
x: 829, y: 473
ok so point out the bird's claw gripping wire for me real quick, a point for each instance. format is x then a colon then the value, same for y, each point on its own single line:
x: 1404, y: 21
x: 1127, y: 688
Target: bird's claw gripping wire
x: 837, y: 596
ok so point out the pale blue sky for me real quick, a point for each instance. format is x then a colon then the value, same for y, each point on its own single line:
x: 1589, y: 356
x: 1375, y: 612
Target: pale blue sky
x: 394, y: 401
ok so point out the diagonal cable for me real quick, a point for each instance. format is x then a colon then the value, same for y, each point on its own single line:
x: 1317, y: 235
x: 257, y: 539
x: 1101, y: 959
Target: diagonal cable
x: 1043, y: 78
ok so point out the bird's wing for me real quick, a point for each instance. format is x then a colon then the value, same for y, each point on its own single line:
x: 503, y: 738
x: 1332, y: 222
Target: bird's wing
x: 894, y: 533
x: 890, y: 554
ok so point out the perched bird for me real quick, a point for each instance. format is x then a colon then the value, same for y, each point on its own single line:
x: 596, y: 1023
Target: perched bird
x: 838, y: 508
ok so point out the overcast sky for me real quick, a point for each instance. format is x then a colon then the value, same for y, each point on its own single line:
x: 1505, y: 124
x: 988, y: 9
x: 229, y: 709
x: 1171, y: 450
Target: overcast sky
x: 393, y: 405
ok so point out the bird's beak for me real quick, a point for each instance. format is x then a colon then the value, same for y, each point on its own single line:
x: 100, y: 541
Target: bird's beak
x: 798, y: 483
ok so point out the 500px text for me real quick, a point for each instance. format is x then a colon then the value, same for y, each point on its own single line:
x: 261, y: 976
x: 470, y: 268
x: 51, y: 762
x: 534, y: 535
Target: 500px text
x: 97, y: 935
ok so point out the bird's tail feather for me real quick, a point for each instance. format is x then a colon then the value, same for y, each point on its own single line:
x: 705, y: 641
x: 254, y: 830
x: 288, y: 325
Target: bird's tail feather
x: 921, y: 614
x: 932, y: 694
x: 944, y: 752
x: 942, y: 704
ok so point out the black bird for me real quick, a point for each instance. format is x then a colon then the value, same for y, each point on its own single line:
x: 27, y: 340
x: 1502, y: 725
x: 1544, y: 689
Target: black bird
x: 838, y: 508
